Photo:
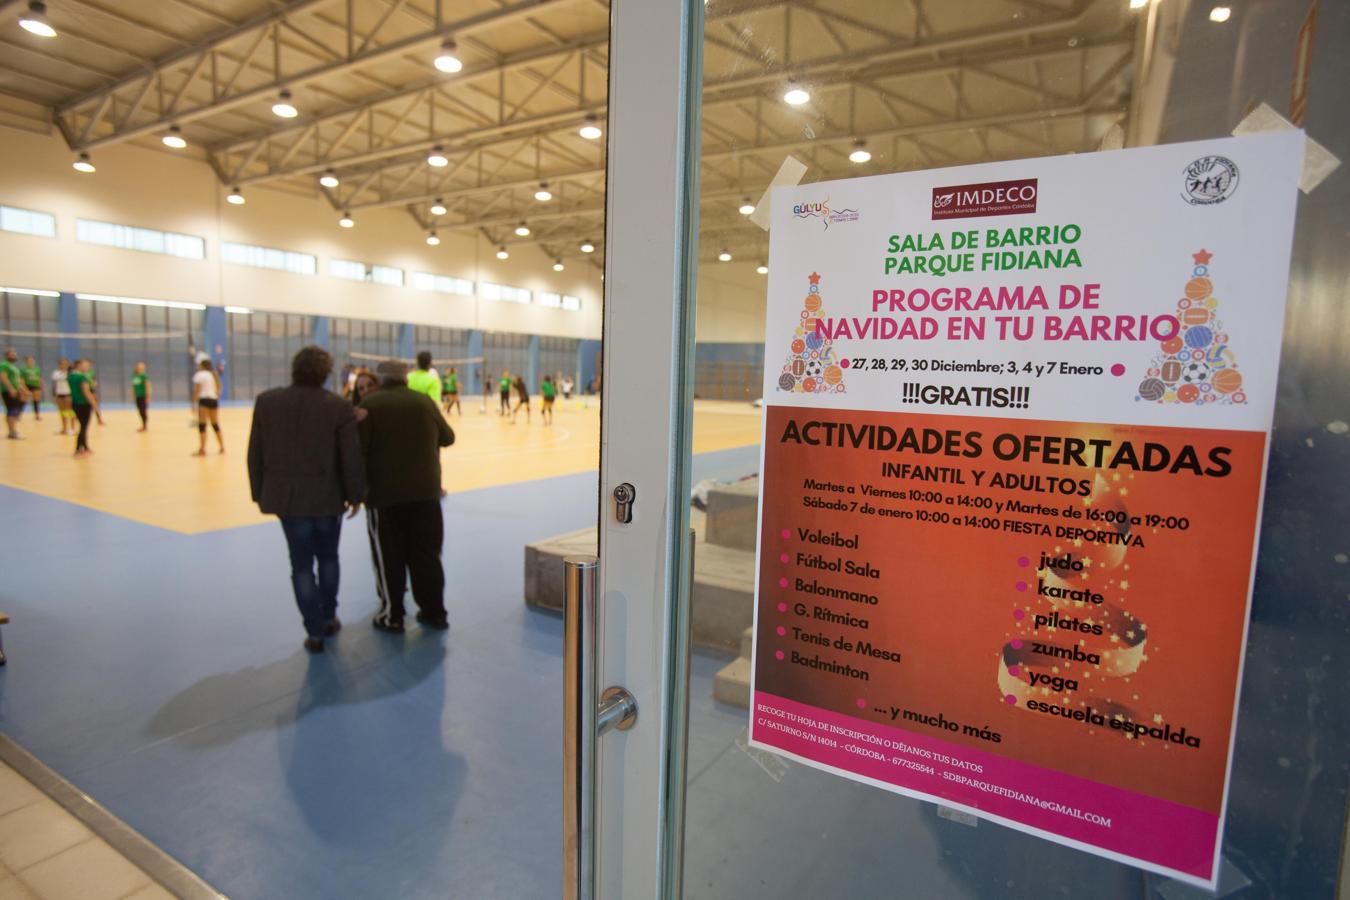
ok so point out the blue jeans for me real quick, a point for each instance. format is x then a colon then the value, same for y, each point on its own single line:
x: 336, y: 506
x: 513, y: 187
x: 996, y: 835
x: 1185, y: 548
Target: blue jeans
x: 314, y: 539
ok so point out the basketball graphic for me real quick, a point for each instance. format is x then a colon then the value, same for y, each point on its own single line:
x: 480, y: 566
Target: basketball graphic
x: 1226, y: 381
x: 1198, y: 288
x: 811, y: 366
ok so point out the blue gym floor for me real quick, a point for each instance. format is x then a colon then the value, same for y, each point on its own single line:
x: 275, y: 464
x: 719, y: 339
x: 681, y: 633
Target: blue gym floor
x: 162, y: 674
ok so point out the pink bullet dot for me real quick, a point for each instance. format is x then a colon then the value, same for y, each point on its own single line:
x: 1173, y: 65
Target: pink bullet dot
x: 1023, y: 561
x: 782, y: 582
x: 1019, y: 614
x: 843, y: 364
x: 783, y: 557
x: 782, y: 607
x: 1021, y: 585
x: 1014, y: 670
x: 778, y: 654
x: 781, y: 631
x: 786, y: 534
x: 862, y: 702
x: 1016, y: 644
x: 1010, y: 700
x: 1117, y: 370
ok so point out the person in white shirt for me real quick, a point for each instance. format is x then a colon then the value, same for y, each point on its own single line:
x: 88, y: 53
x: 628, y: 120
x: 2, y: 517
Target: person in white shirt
x: 61, y: 394
x: 206, y: 399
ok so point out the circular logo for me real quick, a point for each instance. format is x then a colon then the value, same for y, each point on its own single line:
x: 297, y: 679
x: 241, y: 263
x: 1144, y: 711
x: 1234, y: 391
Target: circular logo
x: 1209, y: 180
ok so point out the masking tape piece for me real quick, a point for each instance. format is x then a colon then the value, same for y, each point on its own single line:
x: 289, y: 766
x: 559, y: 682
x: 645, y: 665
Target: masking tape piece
x: 789, y: 174
x: 1318, y: 161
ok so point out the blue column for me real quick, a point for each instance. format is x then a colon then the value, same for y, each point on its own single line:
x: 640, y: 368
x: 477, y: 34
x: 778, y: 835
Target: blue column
x: 406, y: 350
x: 588, y: 350
x: 215, y: 335
x: 323, y: 332
x: 532, y: 369
x: 473, y: 377
x: 68, y: 320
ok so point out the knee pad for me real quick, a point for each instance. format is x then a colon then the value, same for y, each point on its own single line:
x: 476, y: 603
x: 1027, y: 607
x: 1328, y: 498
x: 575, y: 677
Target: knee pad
x: 215, y: 427
x: 201, y: 428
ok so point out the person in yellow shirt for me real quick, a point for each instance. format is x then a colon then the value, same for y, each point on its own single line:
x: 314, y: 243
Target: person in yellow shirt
x: 424, y: 379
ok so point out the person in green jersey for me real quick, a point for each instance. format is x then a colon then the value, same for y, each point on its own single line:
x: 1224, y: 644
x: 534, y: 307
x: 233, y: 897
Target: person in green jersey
x: 140, y: 389
x: 83, y: 401
x: 32, y: 379
x: 12, y: 387
x: 450, y: 391
x: 549, y: 391
x: 504, y: 391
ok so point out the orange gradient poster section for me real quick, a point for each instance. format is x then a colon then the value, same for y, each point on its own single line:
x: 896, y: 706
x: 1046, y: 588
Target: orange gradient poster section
x: 1071, y: 596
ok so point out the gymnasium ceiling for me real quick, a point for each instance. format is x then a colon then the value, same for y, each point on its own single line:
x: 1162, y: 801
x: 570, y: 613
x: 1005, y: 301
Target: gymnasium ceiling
x: 922, y: 83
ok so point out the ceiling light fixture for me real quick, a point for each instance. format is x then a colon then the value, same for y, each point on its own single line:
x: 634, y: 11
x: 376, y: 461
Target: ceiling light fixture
x: 860, y: 153
x: 762, y: 269
x: 346, y: 221
x: 724, y: 256
x: 502, y: 254
x: 35, y: 20
x: 747, y: 207
x: 329, y: 179
x: 235, y: 196
x: 432, y: 239
x: 174, y: 138
x: 84, y: 165
x: 543, y: 195
x: 591, y: 130
x: 1220, y: 14
x: 523, y: 230
x: 446, y: 60
x: 1138, y: 4
x: 438, y: 208
x: 558, y: 265
x: 283, y: 108
x: 588, y: 247
x: 437, y: 157
x: 795, y: 96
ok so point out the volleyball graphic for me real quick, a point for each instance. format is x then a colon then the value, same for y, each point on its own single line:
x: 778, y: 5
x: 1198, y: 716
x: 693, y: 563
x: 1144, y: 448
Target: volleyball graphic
x: 811, y: 366
x: 1197, y: 363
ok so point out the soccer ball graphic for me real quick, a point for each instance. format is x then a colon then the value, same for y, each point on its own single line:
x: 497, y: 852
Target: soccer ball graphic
x: 1195, y: 373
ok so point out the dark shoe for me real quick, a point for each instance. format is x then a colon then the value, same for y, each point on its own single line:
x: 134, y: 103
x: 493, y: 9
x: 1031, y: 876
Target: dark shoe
x: 333, y: 627
x: 439, y: 624
x: 314, y: 645
x: 389, y: 627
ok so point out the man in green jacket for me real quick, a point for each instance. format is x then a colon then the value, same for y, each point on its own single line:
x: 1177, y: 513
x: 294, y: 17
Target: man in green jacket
x: 402, y: 432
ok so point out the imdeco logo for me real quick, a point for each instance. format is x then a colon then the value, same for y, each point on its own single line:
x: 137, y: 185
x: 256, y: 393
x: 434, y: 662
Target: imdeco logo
x: 992, y: 198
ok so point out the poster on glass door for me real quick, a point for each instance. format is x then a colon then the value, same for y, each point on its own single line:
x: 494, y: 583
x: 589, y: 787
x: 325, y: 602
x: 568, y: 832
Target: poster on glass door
x: 1016, y: 424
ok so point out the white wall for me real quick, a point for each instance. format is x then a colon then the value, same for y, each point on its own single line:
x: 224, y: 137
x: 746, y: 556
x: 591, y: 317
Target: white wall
x: 172, y: 192
x: 178, y: 192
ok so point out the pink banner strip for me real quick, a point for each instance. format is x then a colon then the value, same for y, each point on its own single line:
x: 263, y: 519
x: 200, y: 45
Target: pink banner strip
x: 1156, y: 832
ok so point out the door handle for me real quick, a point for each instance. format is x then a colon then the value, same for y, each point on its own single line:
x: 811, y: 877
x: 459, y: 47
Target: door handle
x: 586, y: 716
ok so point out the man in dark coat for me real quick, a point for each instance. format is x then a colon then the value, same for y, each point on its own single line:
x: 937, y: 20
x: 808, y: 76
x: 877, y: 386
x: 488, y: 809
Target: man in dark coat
x: 304, y: 466
x: 402, y: 433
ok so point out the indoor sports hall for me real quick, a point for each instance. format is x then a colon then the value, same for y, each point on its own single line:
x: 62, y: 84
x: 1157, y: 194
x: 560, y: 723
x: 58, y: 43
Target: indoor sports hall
x: 562, y: 208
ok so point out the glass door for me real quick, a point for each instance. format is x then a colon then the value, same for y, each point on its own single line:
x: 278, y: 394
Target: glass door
x: 714, y: 104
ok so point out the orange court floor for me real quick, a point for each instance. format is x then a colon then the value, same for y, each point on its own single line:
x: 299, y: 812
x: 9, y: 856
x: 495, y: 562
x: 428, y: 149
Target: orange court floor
x: 152, y: 477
